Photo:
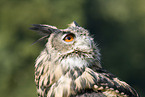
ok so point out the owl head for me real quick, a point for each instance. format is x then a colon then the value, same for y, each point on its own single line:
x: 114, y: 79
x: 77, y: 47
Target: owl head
x: 73, y: 46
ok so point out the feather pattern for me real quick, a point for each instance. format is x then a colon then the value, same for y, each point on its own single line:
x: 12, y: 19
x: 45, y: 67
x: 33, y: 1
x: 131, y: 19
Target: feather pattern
x: 73, y: 69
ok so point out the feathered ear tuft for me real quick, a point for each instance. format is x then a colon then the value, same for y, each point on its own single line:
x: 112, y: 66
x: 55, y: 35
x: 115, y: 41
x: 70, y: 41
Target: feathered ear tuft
x: 74, y: 24
x: 43, y: 29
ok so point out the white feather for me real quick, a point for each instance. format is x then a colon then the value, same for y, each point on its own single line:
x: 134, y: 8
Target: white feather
x: 71, y: 62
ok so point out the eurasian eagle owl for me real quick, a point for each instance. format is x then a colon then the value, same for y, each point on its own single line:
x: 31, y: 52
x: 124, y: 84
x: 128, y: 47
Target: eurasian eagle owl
x: 69, y: 66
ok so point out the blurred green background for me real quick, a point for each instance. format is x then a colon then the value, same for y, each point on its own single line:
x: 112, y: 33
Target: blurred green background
x: 118, y: 27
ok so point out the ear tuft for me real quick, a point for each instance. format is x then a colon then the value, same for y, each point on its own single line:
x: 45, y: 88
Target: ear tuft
x: 43, y: 29
x: 74, y: 24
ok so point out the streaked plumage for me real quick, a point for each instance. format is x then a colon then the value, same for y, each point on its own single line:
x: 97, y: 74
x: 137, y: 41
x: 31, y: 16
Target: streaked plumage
x: 70, y: 66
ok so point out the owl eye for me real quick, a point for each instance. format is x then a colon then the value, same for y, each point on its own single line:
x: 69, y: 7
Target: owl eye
x: 69, y: 37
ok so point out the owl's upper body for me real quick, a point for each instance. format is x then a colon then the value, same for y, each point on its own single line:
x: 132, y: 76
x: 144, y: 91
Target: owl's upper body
x: 70, y: 66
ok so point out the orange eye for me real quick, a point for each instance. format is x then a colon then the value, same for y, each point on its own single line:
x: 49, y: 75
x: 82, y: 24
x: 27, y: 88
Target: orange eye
x: 69, y: 38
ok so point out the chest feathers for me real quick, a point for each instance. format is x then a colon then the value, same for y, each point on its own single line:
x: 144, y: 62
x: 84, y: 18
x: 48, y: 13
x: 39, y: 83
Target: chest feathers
x: 70, y: 76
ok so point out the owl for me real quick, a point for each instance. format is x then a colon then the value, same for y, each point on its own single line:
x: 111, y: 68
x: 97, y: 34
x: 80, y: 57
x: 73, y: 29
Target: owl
x: 69, y: 66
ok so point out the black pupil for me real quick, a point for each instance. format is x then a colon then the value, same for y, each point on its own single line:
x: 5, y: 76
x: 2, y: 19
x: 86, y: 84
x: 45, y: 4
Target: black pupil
x: 69, y: 38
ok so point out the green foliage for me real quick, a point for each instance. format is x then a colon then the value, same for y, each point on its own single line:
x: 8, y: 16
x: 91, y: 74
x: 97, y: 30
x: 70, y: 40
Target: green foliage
x: 118, y: 27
